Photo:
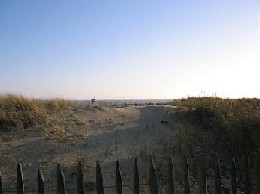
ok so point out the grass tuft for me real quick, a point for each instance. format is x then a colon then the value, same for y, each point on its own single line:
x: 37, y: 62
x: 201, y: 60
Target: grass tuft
x: 18, y: 112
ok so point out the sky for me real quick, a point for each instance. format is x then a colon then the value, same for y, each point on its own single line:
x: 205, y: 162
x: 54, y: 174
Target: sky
x: 131, y: 49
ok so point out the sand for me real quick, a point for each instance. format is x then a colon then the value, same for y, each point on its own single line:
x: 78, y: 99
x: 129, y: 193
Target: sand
x: 91, y: 134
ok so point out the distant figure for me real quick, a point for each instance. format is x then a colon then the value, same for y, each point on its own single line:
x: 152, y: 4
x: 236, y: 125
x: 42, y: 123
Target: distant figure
x: 93, y: 100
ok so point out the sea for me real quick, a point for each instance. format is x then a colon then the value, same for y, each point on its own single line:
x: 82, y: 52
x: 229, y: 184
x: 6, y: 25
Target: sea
x: 119, y: 102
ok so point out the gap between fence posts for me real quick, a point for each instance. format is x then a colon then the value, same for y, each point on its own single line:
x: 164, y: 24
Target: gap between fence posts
x: 20, y: 184
x: 153, y: 186
x: 60, y: 180
x: 40, y: 182
x: 202, y: 175
x: 258, y: 173
x: 1, y: 184
x: 217, y: 178
x: 171, y: 189
x: 136, y: 178
x: 186, y: 174
x: 247, y: 175
x: 233, y: 176
x: 118, y: 179
x: 99, y: 179
x: 80, y: 189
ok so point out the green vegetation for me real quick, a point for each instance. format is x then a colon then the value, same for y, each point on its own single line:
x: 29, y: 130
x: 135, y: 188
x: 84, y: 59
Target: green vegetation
x: 219, y: 126
x: 18, y: 112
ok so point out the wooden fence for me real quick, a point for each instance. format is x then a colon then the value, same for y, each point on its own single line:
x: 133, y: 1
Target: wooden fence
x: 152, y: 182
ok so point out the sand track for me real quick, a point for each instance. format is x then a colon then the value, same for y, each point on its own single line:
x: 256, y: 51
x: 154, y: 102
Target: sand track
x: 91, y: 134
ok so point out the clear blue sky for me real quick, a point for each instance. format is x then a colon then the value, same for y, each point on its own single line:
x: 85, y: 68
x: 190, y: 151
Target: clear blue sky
x: 130, y: 48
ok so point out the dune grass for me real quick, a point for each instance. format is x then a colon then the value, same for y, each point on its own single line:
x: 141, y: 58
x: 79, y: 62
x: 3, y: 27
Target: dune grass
x: 18, y: 112
x: 220, y: 126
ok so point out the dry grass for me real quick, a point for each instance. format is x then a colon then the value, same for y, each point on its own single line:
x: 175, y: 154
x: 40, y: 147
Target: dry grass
x: 18, y: 112
x: 220, y: 126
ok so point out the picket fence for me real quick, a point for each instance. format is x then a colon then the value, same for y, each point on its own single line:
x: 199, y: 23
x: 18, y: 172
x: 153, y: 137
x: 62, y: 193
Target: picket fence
x: 152, y: 183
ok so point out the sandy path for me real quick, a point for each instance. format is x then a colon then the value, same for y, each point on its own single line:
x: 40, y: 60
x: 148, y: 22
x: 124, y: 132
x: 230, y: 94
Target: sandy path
x: 92, y: 133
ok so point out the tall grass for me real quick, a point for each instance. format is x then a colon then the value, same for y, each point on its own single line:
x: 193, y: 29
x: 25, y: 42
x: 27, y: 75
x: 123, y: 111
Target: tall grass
x: 221, y: 125
x: 18, y: 112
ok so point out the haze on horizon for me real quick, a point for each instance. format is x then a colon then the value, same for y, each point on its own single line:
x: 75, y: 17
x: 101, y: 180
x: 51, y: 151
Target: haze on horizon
x: 130, y: 49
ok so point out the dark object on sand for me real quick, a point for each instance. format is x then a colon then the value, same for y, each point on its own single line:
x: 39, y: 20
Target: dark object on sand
x: 164, y: 122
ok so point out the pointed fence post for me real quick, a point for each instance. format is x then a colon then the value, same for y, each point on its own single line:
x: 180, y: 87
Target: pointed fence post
x: 136, y: 178
x: 153, y: 186
x: 1, y: 184
x: 233, y: 176
x: 186, y: 174
x: 20, y: 184
x: 217, y: 178
x: 60, y: 180
x: 80, y: 188
x: 40, y: 182
x: 99, y: 179
x: 171, y: 189
x: 202, y: 176
x: 118, y: 179
x: 247, y: 175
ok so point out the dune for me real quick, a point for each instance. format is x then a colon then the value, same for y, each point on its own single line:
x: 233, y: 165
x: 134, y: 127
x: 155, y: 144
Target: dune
x: 91, y: 133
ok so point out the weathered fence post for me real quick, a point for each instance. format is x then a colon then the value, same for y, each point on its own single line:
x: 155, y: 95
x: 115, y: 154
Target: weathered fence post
x: 20, y: 185
x: 80, y: 189
x: 60, y: 180
x: 217, y: 178
x: 1, y: 184
x: 136, y: 178
x: 233, y: 176
x: 171, y: 189
x: 40, y: 182
x: 202, y: 176
x: 247, y: 175
x: 258, y: 173
x: 186, y: 174
x: 118, y: 179
x: 99, y: 179
x: 153, y: 187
